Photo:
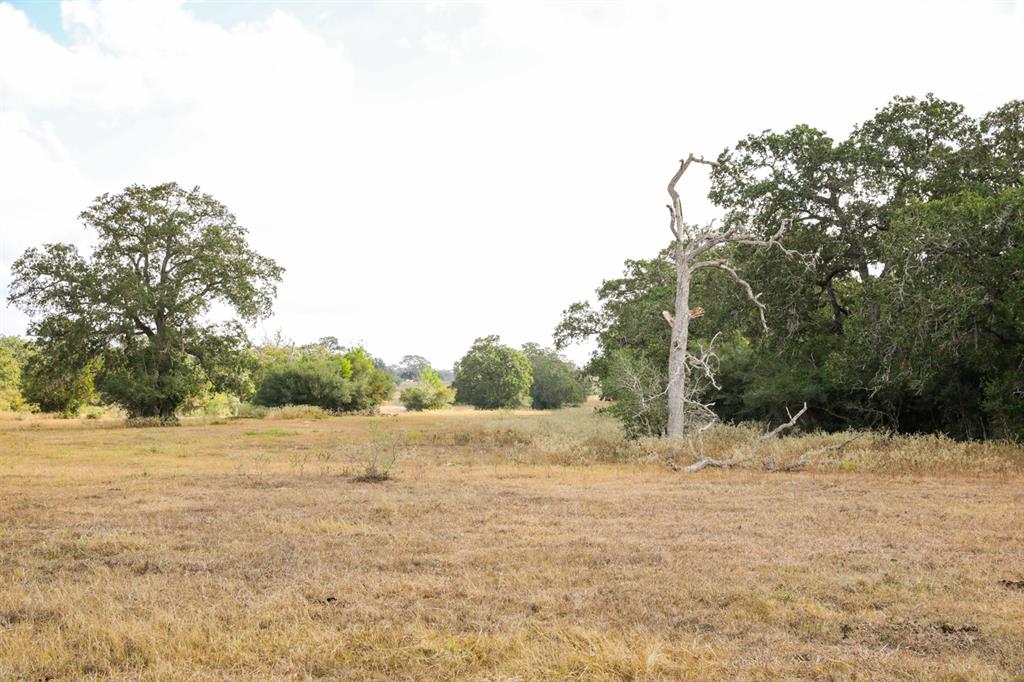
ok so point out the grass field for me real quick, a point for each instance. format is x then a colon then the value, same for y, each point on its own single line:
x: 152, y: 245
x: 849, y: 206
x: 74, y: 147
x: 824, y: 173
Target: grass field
x: 502, y: 546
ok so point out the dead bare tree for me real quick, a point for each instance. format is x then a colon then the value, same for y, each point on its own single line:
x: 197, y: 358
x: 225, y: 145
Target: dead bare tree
x: 690, y: 373
x: 695, y: 248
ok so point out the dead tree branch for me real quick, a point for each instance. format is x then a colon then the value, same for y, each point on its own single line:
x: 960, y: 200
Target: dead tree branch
x: 805, y: 458
x: 704, y: 462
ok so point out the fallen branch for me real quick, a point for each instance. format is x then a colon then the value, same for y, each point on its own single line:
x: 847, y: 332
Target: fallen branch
x: 803, y: 459
x: 704, y: 462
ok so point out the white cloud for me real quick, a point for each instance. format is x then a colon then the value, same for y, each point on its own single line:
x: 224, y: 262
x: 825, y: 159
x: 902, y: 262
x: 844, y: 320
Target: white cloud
x: 483, y: 167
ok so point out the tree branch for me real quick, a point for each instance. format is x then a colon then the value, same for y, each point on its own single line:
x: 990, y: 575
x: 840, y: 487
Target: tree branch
x: 704, y: 462
x: 722, y: 264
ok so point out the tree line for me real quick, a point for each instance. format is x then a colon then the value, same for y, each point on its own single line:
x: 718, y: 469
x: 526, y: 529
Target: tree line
x: 907, y: 311
x: 127, y: 325
x: 904, y: 309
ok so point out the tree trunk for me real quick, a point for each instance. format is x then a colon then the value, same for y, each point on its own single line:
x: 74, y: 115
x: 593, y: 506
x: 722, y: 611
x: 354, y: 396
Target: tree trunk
x: 677, y: 349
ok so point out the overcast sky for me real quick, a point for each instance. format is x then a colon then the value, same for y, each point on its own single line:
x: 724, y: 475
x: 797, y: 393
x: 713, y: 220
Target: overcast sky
x: 433, y: 172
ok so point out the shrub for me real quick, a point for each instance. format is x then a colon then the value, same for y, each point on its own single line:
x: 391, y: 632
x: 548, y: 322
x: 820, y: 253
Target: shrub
x: 556, y: 381
x: 346, y: 382
x: 492, y: 376
x: 638, y: 388
x: 429, y: 394
x: 56, y: 387
x: 10, y: 374
x: 296, y: 412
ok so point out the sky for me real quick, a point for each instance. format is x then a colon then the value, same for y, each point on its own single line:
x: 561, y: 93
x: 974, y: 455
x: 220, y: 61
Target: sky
x: 432, y: 172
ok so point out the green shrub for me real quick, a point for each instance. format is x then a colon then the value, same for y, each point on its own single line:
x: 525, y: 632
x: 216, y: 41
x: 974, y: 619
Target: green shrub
x: 56, y: 387
x: 296, y: 412
x: 429, y: 394
x: 10, y: 374
x: 346, y: 382
x: 492, y: 376
x: 556, y: 381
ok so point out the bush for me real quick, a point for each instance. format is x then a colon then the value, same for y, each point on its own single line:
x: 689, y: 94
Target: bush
x: 556, y: 381
x: 638, y: 388
x: 429, y: 394
x: 492, y: 376
x: 346, y: 382
x: 10, y: 374
x: 55, y: 387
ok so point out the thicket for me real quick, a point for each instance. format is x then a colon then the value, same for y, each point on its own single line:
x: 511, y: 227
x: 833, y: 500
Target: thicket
x: 908, y: 314
x: 429, y: 393
x: 328, y: 377
x: 492, y: 376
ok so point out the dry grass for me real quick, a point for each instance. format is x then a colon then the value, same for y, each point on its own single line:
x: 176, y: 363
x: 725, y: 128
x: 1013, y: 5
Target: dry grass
x: 505, y: 546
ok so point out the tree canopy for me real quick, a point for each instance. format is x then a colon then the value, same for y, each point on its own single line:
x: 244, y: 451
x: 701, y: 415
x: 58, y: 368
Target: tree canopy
x: 491, y: 375
x: 136, y: 305
x: 904, y: 316
x: 556, y: 381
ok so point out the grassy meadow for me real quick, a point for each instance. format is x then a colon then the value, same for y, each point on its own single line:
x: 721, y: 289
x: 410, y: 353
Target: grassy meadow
x: 499, y: 546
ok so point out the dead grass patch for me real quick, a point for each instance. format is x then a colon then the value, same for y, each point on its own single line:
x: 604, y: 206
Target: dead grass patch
x: 510, y: 545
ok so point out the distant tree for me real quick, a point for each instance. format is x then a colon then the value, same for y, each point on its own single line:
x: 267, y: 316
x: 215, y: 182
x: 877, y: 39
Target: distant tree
x: 491, y: 375
x: 340, y: 382
x: 429, y: 393
x: 411, y: 366
x: 556, y: 381
x: 12, y: 356
x: 136, y: 307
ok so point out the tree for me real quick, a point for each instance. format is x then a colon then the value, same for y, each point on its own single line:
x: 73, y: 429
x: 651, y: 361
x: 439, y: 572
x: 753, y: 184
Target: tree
x: 54, y: 387
x: 491, y: 375
x: 700, y: 248
x: 12, y: 357
x: 844, y: 199
x: 628, y: 317
x: 325, y: 377
x: 556, y: 381
x: 164, y: 255
x: 430, y: 393
x: 411, y: 366
x: 633, y: 340
x: 950, y: 324
x: 847, y: 202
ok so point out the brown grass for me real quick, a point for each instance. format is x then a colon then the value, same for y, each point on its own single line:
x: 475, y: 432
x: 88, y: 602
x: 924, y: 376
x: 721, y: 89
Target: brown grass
x: 505, y: 546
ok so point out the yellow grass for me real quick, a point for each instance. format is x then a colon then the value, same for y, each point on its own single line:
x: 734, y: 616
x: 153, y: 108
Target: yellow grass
x: 504, y: 546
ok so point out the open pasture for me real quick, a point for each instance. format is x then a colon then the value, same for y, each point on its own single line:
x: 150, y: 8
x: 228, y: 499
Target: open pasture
x: 499, y: 546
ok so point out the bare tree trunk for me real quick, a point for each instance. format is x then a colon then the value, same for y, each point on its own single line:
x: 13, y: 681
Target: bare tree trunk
x: 696, y: 248
x: 677, y: 369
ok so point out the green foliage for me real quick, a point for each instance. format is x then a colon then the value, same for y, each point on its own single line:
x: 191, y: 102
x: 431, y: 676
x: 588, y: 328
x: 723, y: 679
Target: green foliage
x: 556, y: 381
x: 629, y: 314
x: 13, y: 353
x: 948, y: 327
x: 134, y: 309
x: 55, y: 387
x: 411, y: 367
x: 429, y: 393
x: 637, y: 387
x: 492, y: 376
x: 324, y: 377
x: 908, y: 314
